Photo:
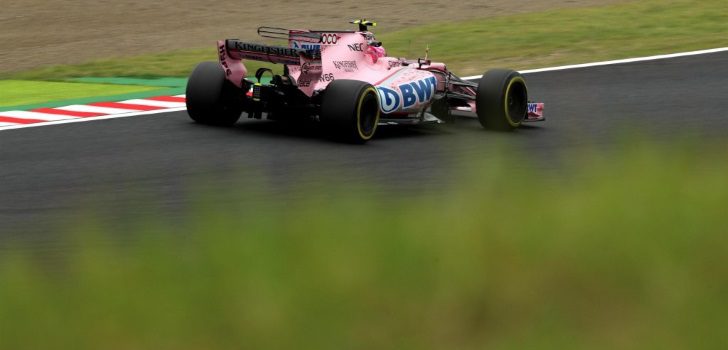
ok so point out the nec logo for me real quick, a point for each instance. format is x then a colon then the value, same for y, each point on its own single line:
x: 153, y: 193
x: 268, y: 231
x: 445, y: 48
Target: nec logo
x: 356, y: 47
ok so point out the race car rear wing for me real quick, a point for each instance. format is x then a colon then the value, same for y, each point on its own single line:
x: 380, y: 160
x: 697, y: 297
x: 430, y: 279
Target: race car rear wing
x: 290, y: 34
x: 231, y: 52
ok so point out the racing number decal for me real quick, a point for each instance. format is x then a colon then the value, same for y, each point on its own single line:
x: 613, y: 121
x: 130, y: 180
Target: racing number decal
x: 327, y: 77
x: 329, y: 38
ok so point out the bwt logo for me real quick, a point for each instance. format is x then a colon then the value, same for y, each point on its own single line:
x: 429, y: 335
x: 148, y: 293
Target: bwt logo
x: 409, y: 94
x: 389, y: 100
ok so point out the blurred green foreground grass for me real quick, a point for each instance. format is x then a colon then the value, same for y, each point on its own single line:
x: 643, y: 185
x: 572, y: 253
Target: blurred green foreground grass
x: 621, y: 251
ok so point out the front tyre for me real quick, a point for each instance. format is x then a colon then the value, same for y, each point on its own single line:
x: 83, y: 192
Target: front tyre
x: 502, y: 99
x: 350, y: 110
x: 211, y: 98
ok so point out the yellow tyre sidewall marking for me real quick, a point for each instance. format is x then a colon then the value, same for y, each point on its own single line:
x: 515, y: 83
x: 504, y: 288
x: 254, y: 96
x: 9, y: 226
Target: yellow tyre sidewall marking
x: 505, y: 101
x: 358, y: 113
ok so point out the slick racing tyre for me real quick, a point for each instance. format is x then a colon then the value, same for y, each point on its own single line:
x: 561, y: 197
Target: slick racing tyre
x: 211, y: 99
x: 502, y: 99
x: 350, y: 110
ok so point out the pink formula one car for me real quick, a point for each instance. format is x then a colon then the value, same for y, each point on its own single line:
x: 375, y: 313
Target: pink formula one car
x: 345, y: 81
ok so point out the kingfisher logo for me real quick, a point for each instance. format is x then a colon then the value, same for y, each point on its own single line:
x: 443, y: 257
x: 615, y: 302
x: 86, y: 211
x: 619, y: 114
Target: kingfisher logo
x: 409, y: 95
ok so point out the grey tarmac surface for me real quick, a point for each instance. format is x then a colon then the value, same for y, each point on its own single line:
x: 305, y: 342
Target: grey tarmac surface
x: 118, y: 166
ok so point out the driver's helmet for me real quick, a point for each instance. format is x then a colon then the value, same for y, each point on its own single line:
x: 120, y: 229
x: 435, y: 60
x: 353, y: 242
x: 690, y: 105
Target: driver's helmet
x: 377, y: 52
x: 375, y: 47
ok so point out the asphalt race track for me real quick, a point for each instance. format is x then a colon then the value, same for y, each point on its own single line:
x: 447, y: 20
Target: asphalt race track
x: 49, y: 172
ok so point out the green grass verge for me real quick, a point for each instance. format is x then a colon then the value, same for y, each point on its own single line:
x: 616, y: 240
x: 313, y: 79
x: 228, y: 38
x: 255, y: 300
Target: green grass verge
x: 170, y: 64
x: 530, y: 40
x: 100, y: 97
x: 570, y: 36
x: 169, y: 82
x: 17, y: 92
x: 612, y: 252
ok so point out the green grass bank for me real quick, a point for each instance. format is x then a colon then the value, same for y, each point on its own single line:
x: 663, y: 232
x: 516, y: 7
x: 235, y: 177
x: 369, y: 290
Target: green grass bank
x: 29, y: 93
x: 17, y: 92
x: 568, y: 36
x: 616, y: 251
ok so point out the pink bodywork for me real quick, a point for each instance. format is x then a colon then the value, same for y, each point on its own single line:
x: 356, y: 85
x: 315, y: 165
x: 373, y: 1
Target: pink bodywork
x: 404, y: 86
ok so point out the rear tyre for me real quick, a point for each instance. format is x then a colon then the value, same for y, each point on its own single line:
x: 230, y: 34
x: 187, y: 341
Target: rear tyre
x: 502, y: 99
x: 350, y: 110
x: 211, y: 99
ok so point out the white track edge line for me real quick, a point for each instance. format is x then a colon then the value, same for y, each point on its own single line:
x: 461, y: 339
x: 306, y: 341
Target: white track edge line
x: 90, y: 119
x: 96, y: 109
x: 621, y: 61
x: 153, y: 103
